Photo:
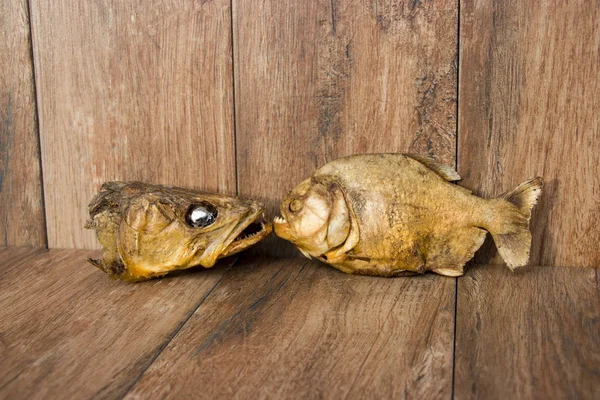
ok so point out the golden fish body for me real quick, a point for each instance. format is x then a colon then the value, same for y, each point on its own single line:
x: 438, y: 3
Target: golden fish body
x: 394, y: 214
x: 149, y: 230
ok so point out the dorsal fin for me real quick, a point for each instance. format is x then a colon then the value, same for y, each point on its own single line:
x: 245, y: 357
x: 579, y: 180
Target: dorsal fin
x: 445, y: 171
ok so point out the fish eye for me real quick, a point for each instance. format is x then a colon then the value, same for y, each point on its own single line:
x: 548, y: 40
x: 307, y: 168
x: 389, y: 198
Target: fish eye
x: 201, y: 215
x: 295, y: 205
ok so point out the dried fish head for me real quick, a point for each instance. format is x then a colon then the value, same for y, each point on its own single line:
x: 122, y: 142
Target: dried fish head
x: 149, y: 230
x: 316, y: 218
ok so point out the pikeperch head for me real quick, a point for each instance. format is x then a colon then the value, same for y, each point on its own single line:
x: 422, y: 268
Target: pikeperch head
x: 149, y: 230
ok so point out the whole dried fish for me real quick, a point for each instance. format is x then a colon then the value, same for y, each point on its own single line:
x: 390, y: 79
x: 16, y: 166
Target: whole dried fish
x: 394, y: 214
x: 149, y: 230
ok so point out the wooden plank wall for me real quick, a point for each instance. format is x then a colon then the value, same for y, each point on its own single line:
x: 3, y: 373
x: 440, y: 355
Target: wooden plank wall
x: 325, y: 79
x: 184, y: 93
x: 130, y: 90
x: 530, y: 105
x: 21, y: 206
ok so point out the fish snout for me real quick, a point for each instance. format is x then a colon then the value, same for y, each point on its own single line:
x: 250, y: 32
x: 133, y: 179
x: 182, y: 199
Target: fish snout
x: 282, y: 228
x: 254, y: 207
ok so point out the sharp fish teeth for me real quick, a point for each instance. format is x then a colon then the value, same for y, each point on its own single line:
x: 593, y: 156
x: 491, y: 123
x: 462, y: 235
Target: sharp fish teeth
x: 249, y: 235
x: 279, y: 220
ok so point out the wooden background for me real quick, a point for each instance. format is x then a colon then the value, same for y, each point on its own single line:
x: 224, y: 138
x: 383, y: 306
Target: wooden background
x: 250, y: 97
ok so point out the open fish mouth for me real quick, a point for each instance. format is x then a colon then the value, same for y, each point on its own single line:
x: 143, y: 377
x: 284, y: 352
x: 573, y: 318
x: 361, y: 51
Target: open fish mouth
x: 247, y: 233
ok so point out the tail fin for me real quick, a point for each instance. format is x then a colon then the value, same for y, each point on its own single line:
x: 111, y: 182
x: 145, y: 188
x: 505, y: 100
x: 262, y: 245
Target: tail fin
x: 510, y: 228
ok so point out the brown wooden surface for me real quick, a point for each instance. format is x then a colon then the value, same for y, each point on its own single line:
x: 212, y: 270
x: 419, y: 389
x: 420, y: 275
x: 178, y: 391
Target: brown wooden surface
x: 294, y: 329
x: 21, y: 203
x: 533, y: 334
x: 529, y: 105
x: 131, y: 90
x: 11, y: 257
x: 318, y: 80
x: 67, y: 330
x: 298, y: 329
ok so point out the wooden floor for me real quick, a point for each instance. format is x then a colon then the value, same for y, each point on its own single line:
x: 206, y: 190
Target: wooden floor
x: 290, y: 328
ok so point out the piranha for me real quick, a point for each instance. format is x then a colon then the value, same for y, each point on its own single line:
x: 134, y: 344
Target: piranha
x: 148, y: 230
x: 399, y: 214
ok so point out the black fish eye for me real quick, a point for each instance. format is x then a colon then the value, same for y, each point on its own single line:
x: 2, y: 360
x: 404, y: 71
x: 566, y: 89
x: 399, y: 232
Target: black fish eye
x: 201, y: 215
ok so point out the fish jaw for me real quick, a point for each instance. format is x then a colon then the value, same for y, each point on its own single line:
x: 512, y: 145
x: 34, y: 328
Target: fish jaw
x: 247, y: 230
x: 310, y: 247
x: 238, y: 240
x: 282, y: 228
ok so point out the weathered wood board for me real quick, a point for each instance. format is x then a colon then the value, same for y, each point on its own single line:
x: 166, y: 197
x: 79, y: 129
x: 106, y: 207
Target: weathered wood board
x: 293, y: 328
x: 21, y: 203
x: 10, y: 257
x: 528, y: 106
x: 319, y: 80
x: 298, y: 329
x: 131, y: 90
x: 529, y: 334
x: 67, y: 330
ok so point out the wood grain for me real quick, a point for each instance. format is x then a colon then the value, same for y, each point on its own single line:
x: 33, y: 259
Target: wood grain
x: 21, y: 204
x: 68, y: 331
x: 297, y: 329
x: 318, y: 80
x: 10, y: 257
x: 529, y: 106
x: 530, y: 334
x: 131, y: 90
x: 289, y: 328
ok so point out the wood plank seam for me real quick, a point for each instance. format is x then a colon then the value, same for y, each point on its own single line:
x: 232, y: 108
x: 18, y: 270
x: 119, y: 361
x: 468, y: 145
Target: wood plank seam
x: 5, y: 167
x: 177, y: 329
x: 456, y: 152
x: 457, y: 66
x: 37, y: 127
x: 21, y: 201
x: 233, y: 100
x: 456, y: 281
